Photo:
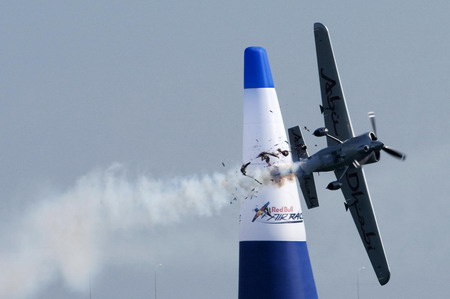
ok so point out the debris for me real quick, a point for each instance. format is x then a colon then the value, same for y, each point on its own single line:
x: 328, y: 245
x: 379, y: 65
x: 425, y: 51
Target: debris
x: 271, y: 111
x: 265, y: 156
x: 283, y: 152
x: 262, y: 155
x: 307, y: 129
x: 257, y: 181
x: 223, y: 164
x: 244, y: 172
x: 243, y: 168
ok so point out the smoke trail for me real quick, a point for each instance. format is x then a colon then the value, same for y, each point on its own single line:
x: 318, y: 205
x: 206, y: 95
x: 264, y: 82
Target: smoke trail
x: 65, y: 235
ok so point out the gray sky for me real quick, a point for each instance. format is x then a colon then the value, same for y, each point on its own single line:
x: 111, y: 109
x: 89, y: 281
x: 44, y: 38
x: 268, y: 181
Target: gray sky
x: 157, y: 86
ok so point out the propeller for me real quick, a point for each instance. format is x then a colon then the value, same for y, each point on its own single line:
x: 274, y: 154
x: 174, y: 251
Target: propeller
x: 372, y: 121
x: 393, y: 152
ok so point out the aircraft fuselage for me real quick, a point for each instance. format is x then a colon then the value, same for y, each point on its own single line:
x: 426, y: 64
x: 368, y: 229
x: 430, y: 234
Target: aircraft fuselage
x: 362, y: 149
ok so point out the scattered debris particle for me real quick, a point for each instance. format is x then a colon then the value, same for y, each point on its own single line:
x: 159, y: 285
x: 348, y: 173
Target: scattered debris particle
x: 283, y: 152
x: 257, y: 181
x: 265, y: 157
x: 262, y: 154
x: 243, y: 168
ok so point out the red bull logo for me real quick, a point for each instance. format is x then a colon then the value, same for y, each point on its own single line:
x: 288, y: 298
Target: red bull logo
x: 282, y: 209
x: 277, y: 215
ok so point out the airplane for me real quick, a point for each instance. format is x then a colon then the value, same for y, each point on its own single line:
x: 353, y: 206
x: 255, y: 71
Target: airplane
x: 345, y: 155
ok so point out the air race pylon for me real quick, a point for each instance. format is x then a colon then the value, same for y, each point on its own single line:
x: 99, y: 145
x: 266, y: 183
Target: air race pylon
x: 273, y: 256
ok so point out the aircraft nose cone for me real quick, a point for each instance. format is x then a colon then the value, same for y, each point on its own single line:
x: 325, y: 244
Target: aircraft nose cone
x: 377, y: 145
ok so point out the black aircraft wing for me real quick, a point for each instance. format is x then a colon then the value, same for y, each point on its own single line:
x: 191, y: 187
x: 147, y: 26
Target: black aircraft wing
x: 298, y: 146
x: 357, y: 198
x: 299, y: 151
x: 333, y: 107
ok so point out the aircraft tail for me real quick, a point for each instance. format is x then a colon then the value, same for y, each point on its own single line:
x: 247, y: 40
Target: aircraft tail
x: 299, y: 151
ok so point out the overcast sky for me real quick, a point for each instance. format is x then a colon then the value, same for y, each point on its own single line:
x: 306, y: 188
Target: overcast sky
x: 157, y: 86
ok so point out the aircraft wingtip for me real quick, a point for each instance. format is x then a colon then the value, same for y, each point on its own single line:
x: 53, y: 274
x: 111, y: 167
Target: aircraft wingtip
x: 320, y: 26
x: 385, y: 278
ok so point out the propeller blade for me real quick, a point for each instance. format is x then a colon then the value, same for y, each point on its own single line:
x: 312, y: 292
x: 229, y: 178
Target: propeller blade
x: 394, y: 153
x: 372, y: 122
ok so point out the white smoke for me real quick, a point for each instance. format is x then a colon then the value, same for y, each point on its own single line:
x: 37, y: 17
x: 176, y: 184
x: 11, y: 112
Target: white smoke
x: 64, y: 236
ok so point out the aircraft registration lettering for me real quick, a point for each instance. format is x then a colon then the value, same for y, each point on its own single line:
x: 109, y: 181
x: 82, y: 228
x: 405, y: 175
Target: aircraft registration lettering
x: 298, y: 145
x: 308, y: 183
x: 331, y: 99
x: 354, y: 184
